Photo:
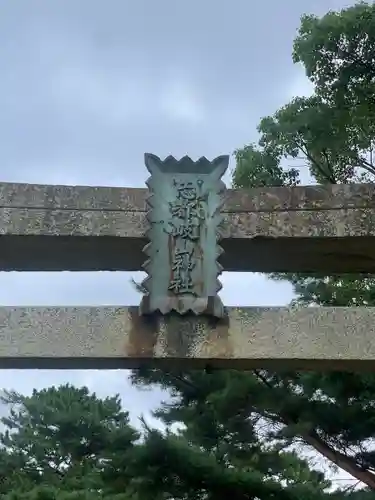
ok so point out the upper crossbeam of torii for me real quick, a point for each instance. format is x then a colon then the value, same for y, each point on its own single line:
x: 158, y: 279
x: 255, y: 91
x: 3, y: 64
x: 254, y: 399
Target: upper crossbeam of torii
x: 183, y: 230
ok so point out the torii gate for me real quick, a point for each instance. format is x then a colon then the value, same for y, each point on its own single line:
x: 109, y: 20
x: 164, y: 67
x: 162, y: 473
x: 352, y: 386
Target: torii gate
x: 181, y: 321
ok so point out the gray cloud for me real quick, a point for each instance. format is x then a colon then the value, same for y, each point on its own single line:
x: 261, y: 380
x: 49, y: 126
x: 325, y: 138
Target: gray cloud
x: 87, y: 87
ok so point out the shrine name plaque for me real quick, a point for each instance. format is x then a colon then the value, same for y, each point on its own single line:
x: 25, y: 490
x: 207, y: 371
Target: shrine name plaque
x: 183, y: 215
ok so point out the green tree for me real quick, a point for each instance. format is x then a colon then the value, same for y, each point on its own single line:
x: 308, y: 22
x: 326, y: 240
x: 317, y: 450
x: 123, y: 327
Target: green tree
x: 242, y: 433
x: 65, y: 444
x: 220, y: 450
x: 331, y: 134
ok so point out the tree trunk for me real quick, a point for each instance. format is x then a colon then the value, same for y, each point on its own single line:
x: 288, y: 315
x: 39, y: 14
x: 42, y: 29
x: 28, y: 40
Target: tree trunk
x: 345, y: 463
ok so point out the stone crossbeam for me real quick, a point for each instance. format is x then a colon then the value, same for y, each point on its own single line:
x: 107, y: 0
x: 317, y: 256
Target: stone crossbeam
x: 116, y: 337
x: 311, y: 228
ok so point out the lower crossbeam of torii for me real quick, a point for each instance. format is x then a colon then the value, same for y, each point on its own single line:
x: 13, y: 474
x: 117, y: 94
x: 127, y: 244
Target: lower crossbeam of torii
x: 183, y: 231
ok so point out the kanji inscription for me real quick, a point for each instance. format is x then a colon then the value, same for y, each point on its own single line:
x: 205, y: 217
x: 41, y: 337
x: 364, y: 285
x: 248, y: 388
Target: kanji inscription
x: 184, y: 219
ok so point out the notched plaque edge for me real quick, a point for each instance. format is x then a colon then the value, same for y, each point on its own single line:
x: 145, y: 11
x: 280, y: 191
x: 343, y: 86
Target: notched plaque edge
x: 213, y: 305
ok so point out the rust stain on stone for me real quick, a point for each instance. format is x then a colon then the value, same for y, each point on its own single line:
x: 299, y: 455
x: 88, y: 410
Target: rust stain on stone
x: 179, y: 334
x: 143, y: 334
x: 214, y: 340
x: 196, y: 336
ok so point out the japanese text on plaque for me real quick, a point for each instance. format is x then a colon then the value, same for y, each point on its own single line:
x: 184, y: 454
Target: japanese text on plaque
x: 188, y: 213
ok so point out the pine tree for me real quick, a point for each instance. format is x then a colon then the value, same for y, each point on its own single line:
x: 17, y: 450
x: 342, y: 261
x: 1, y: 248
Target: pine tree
x: 331, y: 134
x: 65, y: 443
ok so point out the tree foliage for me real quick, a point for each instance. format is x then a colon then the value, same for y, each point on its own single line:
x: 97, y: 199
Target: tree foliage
x: 331, y: 135
x: 332, y: 132
x: 61, y: 443
x: 238, y: 435
x: 66, y: 444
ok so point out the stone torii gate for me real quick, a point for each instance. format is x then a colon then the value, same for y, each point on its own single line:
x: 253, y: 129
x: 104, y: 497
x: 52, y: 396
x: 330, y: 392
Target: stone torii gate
x: 173, y: 231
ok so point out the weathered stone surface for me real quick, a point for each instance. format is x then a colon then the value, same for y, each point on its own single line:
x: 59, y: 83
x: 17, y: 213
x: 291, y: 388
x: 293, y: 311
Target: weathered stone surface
x: 239, y: 226
x: 330, y: 229
x: 326, y: 197
x: 134, y: 199
x: 46, y: 196
x: 184, y: 230
x: 116, y: 337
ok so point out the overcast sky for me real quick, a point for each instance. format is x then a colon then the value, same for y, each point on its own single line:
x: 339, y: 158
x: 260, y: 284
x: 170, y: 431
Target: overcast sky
x: 88, y: 86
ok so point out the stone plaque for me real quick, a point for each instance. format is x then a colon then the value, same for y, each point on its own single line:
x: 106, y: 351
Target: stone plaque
x: 184, y: 202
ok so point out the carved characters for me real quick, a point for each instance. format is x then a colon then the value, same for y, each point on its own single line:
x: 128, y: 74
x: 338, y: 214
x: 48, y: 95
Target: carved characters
x: 183, y: 214
x: 188, y: 213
